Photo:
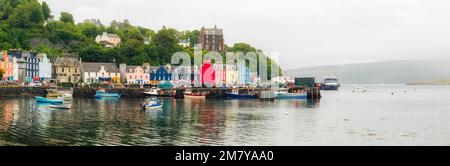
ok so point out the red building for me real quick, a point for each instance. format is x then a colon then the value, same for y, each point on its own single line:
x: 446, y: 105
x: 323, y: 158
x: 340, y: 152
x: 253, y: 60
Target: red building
x: 208, y: 73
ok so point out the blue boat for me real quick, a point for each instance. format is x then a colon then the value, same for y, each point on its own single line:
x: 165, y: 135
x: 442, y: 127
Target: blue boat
x: 292, y: 96
x: 47, y: 100
x: 234, y: 94
x: 103, y: 94
x: 152, y: 104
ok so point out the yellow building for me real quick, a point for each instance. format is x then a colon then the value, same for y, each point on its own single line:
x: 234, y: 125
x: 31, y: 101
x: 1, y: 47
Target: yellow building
x: 67, y: 69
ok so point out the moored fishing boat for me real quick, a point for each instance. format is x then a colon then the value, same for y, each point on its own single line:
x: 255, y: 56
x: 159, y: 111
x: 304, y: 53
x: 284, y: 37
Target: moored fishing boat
x: 194, y: 96
x: 299, y: 94
x: 234, y: 94
x: 47, y: 100
x: 156, y: 92
x: 103, y: 94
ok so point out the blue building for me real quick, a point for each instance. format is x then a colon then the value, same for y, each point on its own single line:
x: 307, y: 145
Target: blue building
x: 30, y: 72
x: 243, y: 75
x: 32, y: 66
x: 162, y: 73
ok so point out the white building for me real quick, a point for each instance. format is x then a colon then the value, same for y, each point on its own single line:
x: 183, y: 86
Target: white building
x: 220, y: 75
x: 45, y: 67
x: 184, y: 43
x: 109, y: 40
x: 99, y: 72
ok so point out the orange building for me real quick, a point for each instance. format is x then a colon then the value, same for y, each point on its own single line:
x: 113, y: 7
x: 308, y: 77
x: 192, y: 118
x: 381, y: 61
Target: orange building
x: 6, y: 65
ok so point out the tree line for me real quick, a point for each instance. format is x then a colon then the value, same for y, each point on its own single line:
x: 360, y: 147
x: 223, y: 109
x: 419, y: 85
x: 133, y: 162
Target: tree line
x: 29, y: 25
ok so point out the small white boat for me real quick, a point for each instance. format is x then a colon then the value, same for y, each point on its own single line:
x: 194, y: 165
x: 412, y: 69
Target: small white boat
x: 152, y: 104
x: 60, y: 106
x: 360, y: 90
x: 281, y: 91
x: 194, y: 96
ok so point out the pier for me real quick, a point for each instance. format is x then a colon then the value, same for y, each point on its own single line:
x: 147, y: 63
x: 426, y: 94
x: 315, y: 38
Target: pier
x: 89, y: 92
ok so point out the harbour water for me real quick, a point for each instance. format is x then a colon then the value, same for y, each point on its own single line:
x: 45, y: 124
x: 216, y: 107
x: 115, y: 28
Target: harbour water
x: 384, y: 115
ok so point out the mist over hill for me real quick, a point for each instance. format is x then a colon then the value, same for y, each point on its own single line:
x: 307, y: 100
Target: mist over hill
x: 388, y: 72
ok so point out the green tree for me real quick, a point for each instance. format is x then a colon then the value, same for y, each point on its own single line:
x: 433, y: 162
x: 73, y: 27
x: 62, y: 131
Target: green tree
x: 46, y: 11
x: 66, y: 18
x: 89, y: 29
x: 26, y: 15
x: 166, y: 43
x: 50, y: 51
x: 94, y: 53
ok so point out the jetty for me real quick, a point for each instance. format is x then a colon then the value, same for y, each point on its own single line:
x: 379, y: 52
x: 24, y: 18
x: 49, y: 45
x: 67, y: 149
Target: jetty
x: 211, y: 93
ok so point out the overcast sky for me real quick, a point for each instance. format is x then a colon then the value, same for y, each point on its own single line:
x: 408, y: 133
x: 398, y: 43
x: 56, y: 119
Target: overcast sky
x: 303, y: 32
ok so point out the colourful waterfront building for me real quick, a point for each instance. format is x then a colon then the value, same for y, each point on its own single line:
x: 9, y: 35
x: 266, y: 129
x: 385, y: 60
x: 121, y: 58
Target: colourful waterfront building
x: 45, y: 67
x: 208, y: 73
x: 220, y: 75
x: 231, y: 75
x: 162, y: 73
x: 92, y: 72
x: 6, y: 65
x: 67, y: 68
x: 243, y: 75
x: 32, y: 66
x: 137, y: 74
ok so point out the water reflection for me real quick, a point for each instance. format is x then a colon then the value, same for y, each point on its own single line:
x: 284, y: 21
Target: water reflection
x: 122, y: 122
x: 376, y: 118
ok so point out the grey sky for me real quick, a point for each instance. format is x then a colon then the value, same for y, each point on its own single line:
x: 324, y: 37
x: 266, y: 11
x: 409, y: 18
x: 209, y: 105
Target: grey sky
x: 303, y: 32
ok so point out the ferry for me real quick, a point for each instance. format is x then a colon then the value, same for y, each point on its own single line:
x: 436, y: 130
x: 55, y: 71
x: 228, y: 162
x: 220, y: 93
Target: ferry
x: 103, y: 94
x: 330, y: 83
x: 234, y: 94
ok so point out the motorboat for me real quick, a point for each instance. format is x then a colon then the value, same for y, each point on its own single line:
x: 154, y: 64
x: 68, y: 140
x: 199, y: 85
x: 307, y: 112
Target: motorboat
x: 194, y: 96
x: 103, y: 94
x: 281, y: 91
x: 234, y: 94
x: 152, y: 104
x: 156, y: 92
x: 299, y: 94
x: 48, y: 100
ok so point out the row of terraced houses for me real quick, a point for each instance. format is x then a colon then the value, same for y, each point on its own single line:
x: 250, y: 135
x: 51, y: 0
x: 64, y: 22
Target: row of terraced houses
x: 29, y: 67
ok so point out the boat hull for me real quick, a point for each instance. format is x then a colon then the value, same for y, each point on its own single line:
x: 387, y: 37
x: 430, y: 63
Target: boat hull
x: 292, y: 96
x: 152, y: 107
x: 156, y: 95
x: 46, y: 100
x: 186, y: 96
x: 61, y: 106
x: 100, y: 95
x: 329, y: 87
x: 240, y: 96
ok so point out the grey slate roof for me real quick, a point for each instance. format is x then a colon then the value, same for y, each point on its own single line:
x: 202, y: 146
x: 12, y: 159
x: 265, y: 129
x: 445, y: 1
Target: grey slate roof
x: 213, y: 31
x: 95, y: 67
x: 67, y: 61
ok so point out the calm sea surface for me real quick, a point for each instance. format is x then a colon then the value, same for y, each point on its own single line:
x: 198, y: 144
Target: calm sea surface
x: 386, y: 115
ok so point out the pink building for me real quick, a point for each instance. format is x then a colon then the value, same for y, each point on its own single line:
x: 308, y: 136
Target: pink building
x: 138, y: 75
x: 6, y: 65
